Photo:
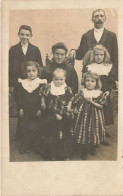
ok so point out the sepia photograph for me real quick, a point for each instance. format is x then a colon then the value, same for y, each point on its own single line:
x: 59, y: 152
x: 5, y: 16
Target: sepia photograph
x: 63, y: 84
x: 62, y: 98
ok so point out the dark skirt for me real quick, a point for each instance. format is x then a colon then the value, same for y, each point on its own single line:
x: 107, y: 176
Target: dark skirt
x: 108, y: 112
x: 53, y: 137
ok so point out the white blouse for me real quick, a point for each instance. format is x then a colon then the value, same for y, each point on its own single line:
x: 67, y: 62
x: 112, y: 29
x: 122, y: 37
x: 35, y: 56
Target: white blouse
x: 100, y: 69
x: 57, y: 90
x: 31, y: 85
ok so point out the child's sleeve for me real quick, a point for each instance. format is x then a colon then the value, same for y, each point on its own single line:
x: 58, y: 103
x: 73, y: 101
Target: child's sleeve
x: 44, y: 90
x: 76, y: 98
x: 19, y: 96
x: 69, y: 93
x: 102, y: 99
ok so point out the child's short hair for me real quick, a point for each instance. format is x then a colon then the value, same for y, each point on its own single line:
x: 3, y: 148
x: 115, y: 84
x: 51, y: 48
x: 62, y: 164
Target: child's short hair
x: 89, y: 56
x: 59, y: 45
x: 59, y: 70
x: 35, y: 64
x: 94, y: 76
x: 26, y: 27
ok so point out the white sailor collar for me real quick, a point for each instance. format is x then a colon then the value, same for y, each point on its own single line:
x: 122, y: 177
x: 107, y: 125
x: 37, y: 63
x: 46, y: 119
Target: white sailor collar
x: 31, y: 85
x: 100, y: 69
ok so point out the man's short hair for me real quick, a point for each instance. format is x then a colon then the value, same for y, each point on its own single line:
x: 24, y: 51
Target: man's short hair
x: 59, y: 45
x: 26, y: 27
x: 98, y: 10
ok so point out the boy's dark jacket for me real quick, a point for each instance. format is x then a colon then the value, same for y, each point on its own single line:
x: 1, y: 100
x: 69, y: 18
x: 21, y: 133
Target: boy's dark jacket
x: 16, y: 59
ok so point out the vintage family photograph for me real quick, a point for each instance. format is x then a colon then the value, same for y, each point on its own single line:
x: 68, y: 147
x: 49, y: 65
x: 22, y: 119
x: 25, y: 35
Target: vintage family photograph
x: 62, y: 98
x: 63, y: 85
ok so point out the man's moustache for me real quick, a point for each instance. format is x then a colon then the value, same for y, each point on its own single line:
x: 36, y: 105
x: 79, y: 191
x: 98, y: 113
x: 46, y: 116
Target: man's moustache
x: 99, y: 22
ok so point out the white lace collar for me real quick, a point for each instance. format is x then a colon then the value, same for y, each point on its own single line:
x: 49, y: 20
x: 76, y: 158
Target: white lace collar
x: 57, y: 90
x: 91, y: 93
x: 31, y: 85
x: 100, y: 69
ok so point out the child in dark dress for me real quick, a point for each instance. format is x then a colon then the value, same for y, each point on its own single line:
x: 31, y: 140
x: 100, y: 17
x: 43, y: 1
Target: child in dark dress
x: 28, y: 101
x: 55, y: 98
x: 89, y: 128
x: 97, y: 60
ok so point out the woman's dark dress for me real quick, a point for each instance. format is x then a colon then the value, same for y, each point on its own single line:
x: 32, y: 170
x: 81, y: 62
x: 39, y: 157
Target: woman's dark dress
x: 107, y: 80
x: 71, y: 77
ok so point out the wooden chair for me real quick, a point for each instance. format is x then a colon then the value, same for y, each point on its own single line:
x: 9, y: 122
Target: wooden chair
x: 70, y: 61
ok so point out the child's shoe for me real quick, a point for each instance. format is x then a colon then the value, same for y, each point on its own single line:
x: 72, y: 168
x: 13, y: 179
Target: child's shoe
x: 53, y: 159
x: 84, y: 155
x: 93, y: 150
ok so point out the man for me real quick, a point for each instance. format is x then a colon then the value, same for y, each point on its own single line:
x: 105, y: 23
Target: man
x: 98, y: 35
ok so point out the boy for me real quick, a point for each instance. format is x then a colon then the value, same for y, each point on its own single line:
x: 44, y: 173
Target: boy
x: 23, y: 51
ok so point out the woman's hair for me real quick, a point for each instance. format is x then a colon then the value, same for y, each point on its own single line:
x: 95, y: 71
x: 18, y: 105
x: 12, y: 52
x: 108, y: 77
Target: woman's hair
x: 94, y: 76
x: 89, y: 56
x: 33, y: 63
x: 59, y: 45
x: 59, y: 70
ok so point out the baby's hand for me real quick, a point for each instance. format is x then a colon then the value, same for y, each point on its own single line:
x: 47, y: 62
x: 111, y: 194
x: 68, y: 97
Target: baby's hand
x: 68, y: 108
x: 21, y: 113
x: 58, y: 117
x: 88, y: 99
x: 11, y: 90
x: 39, y: 113
x: 75, y: 110
x: 43, y: 106
x: 106, y: 93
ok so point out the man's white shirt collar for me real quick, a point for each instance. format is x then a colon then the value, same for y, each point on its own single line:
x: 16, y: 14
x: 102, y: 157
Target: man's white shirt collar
x: 98, y: 33
x: 99, y: 30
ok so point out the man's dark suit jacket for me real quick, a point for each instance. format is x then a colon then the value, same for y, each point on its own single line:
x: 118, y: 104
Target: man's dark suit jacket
x: 16, y: 59
x: 108, y: 40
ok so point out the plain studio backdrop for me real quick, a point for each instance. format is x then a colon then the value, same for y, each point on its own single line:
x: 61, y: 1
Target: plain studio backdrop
x: 50, y: 26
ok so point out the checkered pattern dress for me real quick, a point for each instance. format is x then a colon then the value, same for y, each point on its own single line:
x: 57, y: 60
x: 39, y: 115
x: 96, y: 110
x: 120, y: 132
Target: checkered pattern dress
x: 57, y: 104
x: 89, y: 125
